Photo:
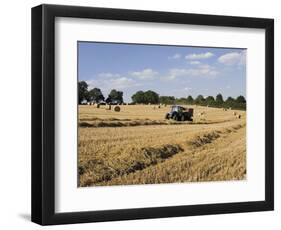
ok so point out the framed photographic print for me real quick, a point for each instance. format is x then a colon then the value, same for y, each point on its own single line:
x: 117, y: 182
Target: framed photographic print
x: 142, y: 114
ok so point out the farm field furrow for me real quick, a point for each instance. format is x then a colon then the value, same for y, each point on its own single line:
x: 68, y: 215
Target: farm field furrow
x: 210, y: 162
x: 147, y: 154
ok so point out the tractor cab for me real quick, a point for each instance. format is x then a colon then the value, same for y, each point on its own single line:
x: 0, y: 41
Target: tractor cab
x: 180, y: 113
x: 177, y: 108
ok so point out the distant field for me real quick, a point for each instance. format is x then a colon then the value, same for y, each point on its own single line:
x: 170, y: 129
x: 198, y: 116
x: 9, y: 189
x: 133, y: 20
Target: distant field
x: 138, y: 146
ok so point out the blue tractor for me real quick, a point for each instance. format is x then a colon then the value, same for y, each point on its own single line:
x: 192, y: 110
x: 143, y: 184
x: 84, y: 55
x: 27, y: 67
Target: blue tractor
x: 179, y: 113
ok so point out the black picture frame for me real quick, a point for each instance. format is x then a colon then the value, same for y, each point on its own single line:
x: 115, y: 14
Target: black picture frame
x: 43, y: 114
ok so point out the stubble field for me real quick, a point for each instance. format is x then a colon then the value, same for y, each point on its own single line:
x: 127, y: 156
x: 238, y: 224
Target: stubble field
x: 138, y: 146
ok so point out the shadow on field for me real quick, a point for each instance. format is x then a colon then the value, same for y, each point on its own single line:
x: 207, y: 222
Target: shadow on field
x: 97, y: 170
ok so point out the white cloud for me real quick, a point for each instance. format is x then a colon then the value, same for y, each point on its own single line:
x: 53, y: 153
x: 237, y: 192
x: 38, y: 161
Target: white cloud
x: 187, y: 89
x: 112, y: 83
x: 146, y: 74
x: 179, y: 92
x: 175, y: 56
x: 194, y: 62
x: 108, y: 75
x: 200, y: 71
x: 199, y: 56
x: 122, y: 83
x: 233, y: 58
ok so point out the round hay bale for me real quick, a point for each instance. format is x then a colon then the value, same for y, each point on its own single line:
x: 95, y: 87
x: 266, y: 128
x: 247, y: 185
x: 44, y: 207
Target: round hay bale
x: 117, y: 108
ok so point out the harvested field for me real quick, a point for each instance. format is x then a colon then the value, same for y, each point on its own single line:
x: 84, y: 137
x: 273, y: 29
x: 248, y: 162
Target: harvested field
x: 138, y: 146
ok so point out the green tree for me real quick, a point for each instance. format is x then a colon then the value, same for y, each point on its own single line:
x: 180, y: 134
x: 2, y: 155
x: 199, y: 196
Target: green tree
x: 230, y: 102
x: 151, y: 97
x: 95, y: 94
x: 240, y: 99
x: 219, y: 99
x: 168, y: 100
x: 210, y: 100
x: 83, y: 93
x: 190, y: 100
x: 115, y: 95
x: 181, y: 100
x: 146, y: 97
x: 199, y: 99
x: 138, y: 97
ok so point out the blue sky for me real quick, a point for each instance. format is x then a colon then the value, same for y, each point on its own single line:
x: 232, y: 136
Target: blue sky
x: 168, y: 70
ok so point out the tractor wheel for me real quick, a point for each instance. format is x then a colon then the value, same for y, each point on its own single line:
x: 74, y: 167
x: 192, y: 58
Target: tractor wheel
x: 175, y: 117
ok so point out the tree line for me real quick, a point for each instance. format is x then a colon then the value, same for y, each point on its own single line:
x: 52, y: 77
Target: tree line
x: 219, y: 102
x: 95, y: 95
x: 151, y: 97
